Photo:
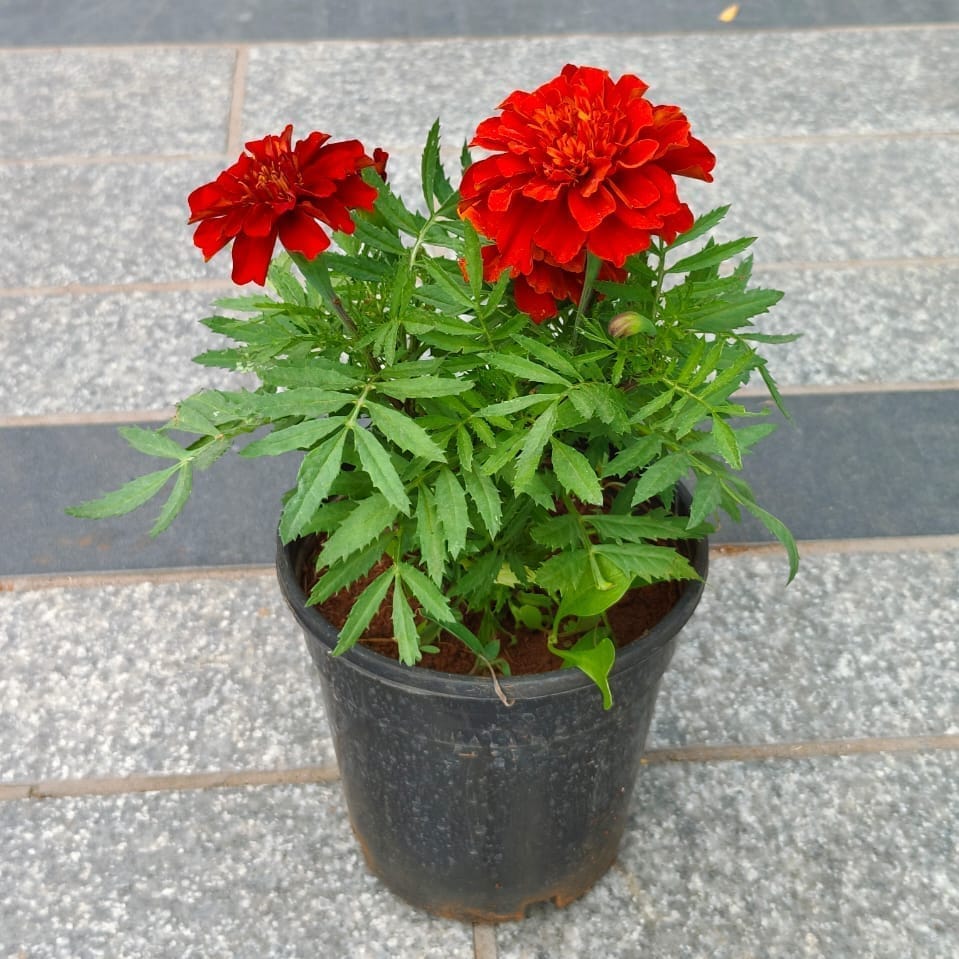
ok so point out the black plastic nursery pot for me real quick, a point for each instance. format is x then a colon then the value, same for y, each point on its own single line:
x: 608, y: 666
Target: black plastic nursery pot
x: 472, y: 809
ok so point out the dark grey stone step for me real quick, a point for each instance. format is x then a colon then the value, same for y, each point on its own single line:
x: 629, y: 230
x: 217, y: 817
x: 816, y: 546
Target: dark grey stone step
x: 27, y: 23
x: 853, y: 465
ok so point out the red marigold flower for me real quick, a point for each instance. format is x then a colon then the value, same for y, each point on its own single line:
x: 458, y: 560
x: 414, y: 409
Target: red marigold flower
x: 380, y: 158
x: 277, y: 191
x: 581, y: 164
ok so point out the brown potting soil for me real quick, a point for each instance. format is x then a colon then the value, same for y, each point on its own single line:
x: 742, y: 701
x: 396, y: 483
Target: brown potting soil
x: 631, y: 618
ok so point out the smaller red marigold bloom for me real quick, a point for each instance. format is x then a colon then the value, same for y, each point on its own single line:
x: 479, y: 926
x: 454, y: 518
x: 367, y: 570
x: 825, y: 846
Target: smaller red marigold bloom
x: 539, y: 292
x: 581, y: 164
x: 278, y: 191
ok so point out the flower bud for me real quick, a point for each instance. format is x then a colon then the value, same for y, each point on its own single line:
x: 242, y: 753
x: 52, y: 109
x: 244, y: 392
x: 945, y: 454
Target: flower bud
x: 629, y: 324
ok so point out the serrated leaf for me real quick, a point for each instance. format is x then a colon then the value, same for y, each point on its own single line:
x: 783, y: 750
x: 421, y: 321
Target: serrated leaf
x: 153, y: 443
x: 423, y: 387
x: 532, y: 449
x: 636, y: 455
x: 703, y: 225
x: 657, y: 524
x: 595, y: 660
x: 485, y: 495
x: 727, y: 443
x: 422, y: 587
x: 378, y: 465
x: 125, y: 499
x: 464, y: 448
x: 548, y: 356
x: 711, y: 255
x: 317, y: 371
x: 779, y: 529
x: 662, y: 475
x: 706, y: 499
x: 318, y: 470
x: 365, y: 607
x: 301, y: 436
x: 473, y: 259
x: 450, y: 283
x: 300, y: 401
x: 575, y: 474
x: 562, y: 572
x: 589, y: 599
x: 647, y: 562
x: 508, y: 407
x: 526, y: 369
x: 176, y: 501
x: 378, y: 237
x: 364, y: 524
x: 653, y: 406
x: 429, y: 535
x: 404, y: 627
x: 347, y: 572
x: 407, y: 434
x: 453, y: 514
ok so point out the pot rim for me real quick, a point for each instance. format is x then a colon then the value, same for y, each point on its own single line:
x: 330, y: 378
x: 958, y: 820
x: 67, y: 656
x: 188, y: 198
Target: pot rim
x: 523, y: 687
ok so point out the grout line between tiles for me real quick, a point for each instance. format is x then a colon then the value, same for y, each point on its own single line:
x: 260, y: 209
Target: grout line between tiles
x: 178, y: 782
x: 484, y: 941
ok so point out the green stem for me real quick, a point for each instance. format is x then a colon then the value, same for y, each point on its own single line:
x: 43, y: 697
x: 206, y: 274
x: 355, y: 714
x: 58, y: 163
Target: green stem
x: 593, y: 266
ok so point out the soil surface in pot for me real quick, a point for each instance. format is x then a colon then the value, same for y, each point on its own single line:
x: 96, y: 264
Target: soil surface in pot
x: 630, y: 619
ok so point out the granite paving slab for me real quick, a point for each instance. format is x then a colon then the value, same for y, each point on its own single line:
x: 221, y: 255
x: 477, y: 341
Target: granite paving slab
x: 116, y: 21
x: 813, y: 858
x: 220, y: 874
x: 92, y: 352
x: 888, y: 324
x: 859, y: 645
x: 173, y: 677
x: 119, y: 101
x: 732, y: 86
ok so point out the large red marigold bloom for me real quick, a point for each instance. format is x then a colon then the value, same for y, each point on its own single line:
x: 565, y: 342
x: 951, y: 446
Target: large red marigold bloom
x: 278, y: 191
x: 581, y: 164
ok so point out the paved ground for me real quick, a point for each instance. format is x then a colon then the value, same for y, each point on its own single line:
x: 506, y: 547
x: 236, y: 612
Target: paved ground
x: 167, y: 784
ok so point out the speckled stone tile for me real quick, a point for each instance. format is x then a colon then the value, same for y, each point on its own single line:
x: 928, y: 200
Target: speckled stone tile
x: 101, y: 223
x: 108, y: 102
x: 732, y: 86
x: 819, y: 858
x: 155, y: 677
x: 864, y: 325
x: 106, y: 351
x: 859, y: 645
x: 220, y: 874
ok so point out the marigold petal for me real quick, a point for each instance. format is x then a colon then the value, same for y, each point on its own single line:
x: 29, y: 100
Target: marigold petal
x: 558, y: 234
x: 251, y: 258
x: 614, y: 240
x: 260, y: 219
x: 338, y: 160
x: 590, y: 211
x: 307, y: 149
x: 300, y: 233
x: 537, y: 306
x: 210, y: 237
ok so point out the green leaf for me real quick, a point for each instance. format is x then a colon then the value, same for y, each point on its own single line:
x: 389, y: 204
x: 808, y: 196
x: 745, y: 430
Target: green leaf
x: 634, y: 456
x: 706, y: 499
x: 348, y: 571
x: 523, y: 368
x: 378, y: 465
x: 548, y: 356
x: 432, y: 600
x: 404, y: 627
x: 301, y: 436
x: 319, y: 469
x: 176, y: 501
x: 450, y: 283
x: 127, y: 498
x: 367, y: 605
x: 317, y: 371
x: 646, y: 562
x: 508, y: 407
x: 364, y: 524
x: 301, y: 401
x: 727, y: 443
x: 703, y: 225
x: 779, y: 529
x: 711, y: 255
x: 575, y: 474
x: 474, y: 259
x: 485, y: 495
x: 562, y: 572
x: 378, y: 237
x: 464, y: 448
x: 532, y: 450
x: 153, y: 443
x: 662, y: 475
x: 653, y: 406
x: 423, y: 387
x: 429, y: 535
x: 407, y: 434
x: 589, y: 600
x: 453, y: 515
x: 595, y: 660
x: 657, y: 524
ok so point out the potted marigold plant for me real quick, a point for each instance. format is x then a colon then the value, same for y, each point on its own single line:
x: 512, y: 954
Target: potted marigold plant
x: 496, y: 392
